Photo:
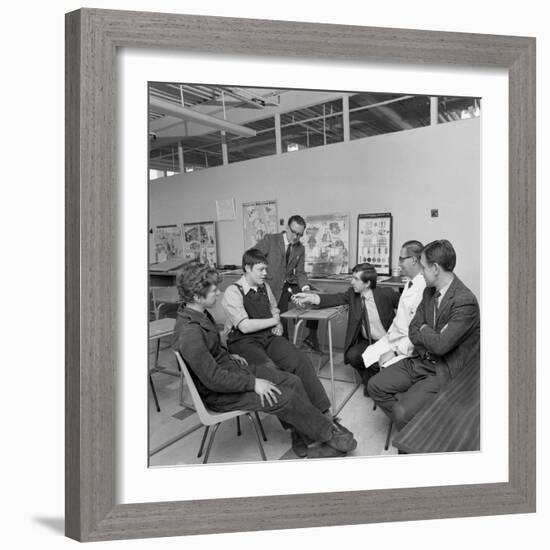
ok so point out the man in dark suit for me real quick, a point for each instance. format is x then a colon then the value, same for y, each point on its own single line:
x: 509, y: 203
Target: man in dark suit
x: 371, y: 312
x: 445, y: 334
x: 286, y: 274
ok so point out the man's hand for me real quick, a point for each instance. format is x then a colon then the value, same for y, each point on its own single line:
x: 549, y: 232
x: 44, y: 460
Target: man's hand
x: 239, y: 359
x: 386, y: 357
x: 277, y: 329
x: 302, y: 299
x: 266, y: 390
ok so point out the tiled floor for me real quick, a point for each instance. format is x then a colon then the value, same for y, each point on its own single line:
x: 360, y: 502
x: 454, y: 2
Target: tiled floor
x: 369, y: 426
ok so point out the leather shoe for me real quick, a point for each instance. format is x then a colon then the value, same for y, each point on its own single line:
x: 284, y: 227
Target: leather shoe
x: 340, y: 427
x: 342, y: 441
x: 298, y: 445
x: 312, y: 344
x: 323, y: 451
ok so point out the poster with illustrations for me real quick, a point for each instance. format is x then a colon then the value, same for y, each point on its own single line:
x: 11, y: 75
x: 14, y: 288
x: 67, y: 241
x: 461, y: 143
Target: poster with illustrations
x: 374, y: 241
x: 259, y: 219
x: 200, y: 242
x: 168, y: 242
x: 326, y: 241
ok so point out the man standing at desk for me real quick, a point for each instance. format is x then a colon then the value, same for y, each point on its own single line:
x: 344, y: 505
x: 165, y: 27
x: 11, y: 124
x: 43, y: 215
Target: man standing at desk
x: 286, y: 274
x: 371, y: 312
x: 445, y: 334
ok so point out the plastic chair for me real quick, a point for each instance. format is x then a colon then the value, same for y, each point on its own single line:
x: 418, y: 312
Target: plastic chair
x: 210, y: 418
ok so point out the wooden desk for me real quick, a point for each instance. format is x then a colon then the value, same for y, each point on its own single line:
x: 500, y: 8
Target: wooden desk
x: 328, y: 315
x: 450, y: 423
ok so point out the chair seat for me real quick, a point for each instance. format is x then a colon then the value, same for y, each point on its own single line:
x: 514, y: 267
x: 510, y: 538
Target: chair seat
x: 215, y: 417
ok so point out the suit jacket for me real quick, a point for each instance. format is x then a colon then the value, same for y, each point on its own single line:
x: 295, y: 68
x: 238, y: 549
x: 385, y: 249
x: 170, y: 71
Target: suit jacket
x: 213, y: 369
x: 457, y: 346
x: 273, y: 246
x: 386, y: 300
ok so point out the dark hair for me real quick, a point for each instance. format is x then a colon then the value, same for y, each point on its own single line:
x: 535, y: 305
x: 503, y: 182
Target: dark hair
x: 252, y: 257
x: 441, y: 252
x: 195, y: 279
x: 367, y: 273
x: 296, y: 219
x: 414, y: 248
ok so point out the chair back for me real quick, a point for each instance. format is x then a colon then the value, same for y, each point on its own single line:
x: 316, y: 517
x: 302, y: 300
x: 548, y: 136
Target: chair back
x: 163, y: 296
x: 205, y: 416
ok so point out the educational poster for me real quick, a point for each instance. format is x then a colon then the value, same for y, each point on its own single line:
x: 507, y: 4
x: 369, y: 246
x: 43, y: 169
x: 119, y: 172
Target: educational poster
x: 259, y: 219
x: 326, y: 241
x: 168, y: 243
x: 200, y: 242
x: 374, y: 239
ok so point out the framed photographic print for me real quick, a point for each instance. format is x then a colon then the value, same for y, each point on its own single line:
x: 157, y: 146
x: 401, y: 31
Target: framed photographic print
x: 259, y: 219
x: 167, y: 242
x: 103, y: 499
x: 374, y: 241
x: 327, y: 244
x: 200, y: 242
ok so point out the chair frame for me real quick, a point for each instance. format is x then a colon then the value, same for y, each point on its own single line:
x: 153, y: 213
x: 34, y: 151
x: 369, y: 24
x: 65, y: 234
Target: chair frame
x: 209, y: 418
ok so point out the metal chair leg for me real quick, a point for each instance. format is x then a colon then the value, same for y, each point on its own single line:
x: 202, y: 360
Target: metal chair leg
x: 201, y: 448
x: 261, y: 426
x: 238, y: 419
x: 386, y: 447
x: 154, y: 392
x: 262, y: 452
x: 212, y: 436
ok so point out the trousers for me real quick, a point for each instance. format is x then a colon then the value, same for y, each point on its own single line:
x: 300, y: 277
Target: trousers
x: 293, y: 404
x: 278, y: 352
x: 402, y: 389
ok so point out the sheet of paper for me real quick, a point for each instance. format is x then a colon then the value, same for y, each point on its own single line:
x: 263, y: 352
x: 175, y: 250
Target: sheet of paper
x: 374, y: 351
x: 225, y: 209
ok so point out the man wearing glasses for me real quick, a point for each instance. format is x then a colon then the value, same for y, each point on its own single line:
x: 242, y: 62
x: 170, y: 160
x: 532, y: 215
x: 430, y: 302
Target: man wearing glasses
x: 398, y: 333
x: 286, y: 274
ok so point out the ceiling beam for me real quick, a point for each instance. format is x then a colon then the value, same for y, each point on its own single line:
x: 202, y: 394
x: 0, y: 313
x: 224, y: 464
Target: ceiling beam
x: 168, y: 108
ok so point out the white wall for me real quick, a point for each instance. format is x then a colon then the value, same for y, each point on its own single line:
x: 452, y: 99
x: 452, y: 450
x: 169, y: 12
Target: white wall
x: 32, y: 458
x: 406, y: 173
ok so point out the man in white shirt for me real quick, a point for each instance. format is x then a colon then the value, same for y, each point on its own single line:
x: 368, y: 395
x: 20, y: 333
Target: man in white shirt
x: 398, y: 333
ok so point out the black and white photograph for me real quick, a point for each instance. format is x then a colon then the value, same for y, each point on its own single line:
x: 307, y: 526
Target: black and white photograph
x: 329, y: 308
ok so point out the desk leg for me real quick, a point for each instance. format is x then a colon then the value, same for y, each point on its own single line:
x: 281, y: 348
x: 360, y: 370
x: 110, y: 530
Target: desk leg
x: 297, y: 330
x: 331, y: 361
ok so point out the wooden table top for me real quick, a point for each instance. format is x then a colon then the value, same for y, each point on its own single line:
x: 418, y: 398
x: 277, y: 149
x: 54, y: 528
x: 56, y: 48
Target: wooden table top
x: 314, y: 314
x: 450, y: 423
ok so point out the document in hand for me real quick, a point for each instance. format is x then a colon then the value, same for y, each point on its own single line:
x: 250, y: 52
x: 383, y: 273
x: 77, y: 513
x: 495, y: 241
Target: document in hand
x: 374, y: 351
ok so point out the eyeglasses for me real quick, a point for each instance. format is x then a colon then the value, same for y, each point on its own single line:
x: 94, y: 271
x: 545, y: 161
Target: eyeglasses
x: 403, y: 258
x: 296, y: 232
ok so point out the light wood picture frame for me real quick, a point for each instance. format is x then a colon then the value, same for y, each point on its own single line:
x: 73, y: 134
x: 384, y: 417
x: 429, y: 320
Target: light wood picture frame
x: 92, y: 39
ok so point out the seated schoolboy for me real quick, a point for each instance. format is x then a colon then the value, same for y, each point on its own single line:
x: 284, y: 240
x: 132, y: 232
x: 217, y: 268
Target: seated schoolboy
x: 256, y: 330
x: 228, y: 382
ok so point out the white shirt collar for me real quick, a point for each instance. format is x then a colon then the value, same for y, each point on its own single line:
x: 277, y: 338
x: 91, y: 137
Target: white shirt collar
x: 444, y: 289
x: 367, y: 294
x: 418, y: 278
x: 246, y: 287
x: 285, y: 240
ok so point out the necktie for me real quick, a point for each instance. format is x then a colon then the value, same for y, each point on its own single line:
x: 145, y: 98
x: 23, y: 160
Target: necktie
x: 409, y: 284
x: 436, y: 305
x: 365, y: 319
x: 288, y: 253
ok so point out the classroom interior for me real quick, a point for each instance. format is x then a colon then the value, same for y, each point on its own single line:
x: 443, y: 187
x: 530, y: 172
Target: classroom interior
x: 314, y: 153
